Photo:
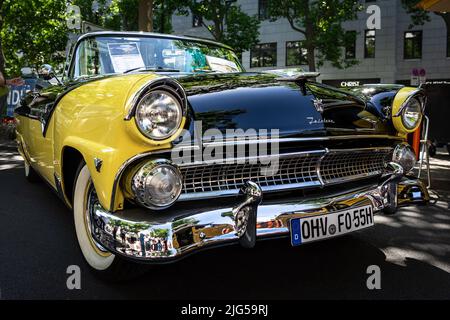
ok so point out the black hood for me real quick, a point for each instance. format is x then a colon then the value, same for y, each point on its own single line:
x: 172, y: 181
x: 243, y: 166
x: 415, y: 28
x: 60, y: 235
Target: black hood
x: 262, y: 101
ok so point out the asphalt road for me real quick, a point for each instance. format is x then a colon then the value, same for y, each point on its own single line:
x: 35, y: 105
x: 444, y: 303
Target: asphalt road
x: 412, y: 249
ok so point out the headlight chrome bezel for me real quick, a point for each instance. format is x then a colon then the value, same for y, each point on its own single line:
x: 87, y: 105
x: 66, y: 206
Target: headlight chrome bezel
x: 167, y: 86
x: 148, y: 170
x: 179, y: 115
x: 401, y: 108
x: 405, y: 156
x: 409, y: 104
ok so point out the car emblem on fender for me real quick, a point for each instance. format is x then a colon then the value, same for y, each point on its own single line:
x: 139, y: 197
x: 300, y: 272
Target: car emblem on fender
x: 318, y: 104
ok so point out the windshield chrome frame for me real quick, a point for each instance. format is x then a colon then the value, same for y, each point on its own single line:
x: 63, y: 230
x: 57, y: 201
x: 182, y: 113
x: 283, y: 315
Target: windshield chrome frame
x: 68, y: 70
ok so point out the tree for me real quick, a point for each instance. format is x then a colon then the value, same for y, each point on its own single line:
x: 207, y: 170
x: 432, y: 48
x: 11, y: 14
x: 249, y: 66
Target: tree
x: 420, y: 16
x: 31, y: 33
x: 162, y: 14
x: 227, y: 23
x: 110, y: 14
x: 320, y: 23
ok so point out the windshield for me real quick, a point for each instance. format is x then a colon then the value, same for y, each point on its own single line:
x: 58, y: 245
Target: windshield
x: 110, y: 55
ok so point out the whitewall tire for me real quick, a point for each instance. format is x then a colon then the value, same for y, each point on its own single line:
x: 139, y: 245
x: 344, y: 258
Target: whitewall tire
x: 99, y: 259
x: 96, y: 258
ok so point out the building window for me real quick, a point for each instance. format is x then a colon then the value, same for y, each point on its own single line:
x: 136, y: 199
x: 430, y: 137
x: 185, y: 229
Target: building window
x: 296, y: 53
x: 263, y: 10
x: 369, y: 44
x: 412, y: 45
x: 197, y: 20
x: 263, y: 55
x: 350, y: 48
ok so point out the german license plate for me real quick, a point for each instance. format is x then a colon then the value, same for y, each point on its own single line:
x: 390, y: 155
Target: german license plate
x: 330, y: 225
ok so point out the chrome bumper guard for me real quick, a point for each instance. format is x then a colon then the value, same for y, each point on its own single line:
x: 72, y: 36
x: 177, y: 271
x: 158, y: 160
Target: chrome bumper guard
x: 164, y: 237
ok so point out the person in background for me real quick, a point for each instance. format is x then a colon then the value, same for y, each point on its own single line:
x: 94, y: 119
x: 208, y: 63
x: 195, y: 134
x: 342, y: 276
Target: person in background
x: 11, y: 82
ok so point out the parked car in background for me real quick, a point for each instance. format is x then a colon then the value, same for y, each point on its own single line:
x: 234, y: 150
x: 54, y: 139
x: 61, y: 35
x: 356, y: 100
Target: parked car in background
x: 112, y: 141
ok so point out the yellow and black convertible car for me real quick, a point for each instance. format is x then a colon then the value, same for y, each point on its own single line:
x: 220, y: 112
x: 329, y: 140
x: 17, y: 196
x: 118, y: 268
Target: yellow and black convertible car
x: 164, y: 145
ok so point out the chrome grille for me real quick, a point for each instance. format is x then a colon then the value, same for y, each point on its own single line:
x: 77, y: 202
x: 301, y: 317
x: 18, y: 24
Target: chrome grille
x: 338, y: 166
x: 297, y: 170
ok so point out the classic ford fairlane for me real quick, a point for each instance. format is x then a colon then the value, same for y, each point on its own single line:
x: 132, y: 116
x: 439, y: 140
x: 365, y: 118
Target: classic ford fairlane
x: 164, y: 145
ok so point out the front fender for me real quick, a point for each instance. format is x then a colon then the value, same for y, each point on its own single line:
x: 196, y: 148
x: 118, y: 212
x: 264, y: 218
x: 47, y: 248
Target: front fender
x: 90, y: 119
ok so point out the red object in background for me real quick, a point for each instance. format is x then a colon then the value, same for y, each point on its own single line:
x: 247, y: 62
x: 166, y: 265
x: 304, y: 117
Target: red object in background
x: 414, y: 140
x: 8, y: 120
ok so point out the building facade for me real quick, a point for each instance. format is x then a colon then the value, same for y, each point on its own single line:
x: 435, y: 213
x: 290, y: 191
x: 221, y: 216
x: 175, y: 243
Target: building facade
x: 391, y: 54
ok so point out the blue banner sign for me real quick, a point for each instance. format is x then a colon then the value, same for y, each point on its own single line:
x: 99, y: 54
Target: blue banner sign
x: 16, y: 93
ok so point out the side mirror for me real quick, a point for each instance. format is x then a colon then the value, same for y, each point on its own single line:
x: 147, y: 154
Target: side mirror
x: 47, y: 72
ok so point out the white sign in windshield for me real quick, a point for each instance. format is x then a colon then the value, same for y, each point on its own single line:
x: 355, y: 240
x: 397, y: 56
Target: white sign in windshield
x: 125, y: 56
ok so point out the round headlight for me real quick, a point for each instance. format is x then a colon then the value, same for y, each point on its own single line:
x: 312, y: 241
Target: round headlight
x: 158, y: 115
x: 412, y: 114
x: 405, y: 156
x: 157, y: 184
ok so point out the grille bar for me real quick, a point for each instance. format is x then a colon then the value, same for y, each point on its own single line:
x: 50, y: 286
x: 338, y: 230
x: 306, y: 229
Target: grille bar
x: 295, y: 170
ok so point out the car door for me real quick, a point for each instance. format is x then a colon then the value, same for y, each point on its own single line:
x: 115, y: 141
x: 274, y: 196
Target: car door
x: 37, y: 135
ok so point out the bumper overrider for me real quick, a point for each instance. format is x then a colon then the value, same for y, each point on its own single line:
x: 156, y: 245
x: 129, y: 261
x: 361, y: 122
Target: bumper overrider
x: 164, y: 237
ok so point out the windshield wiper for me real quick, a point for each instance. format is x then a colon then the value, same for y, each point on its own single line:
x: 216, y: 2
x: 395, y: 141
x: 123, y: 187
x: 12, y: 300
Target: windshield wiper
x: 152, y: 69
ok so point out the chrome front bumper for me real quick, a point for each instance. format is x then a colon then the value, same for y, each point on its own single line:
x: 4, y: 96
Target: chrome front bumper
x: 169, y: 235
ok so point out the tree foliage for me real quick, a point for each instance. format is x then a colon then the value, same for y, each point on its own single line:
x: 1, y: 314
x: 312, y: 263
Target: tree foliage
x: 420, y: 16
x: 320, y: 23
x: 110, y: 14
x: 32, y: 32
x: 226, y: 22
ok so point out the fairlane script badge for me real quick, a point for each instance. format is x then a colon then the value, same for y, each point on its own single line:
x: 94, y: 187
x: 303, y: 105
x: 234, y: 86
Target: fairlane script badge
x: 311, y: 120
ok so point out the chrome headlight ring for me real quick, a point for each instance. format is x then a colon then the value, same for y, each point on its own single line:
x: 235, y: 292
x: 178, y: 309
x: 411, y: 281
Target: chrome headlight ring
x: 405, y: 156
x: 158, y: 108
x: 412, y: 113
x: 412, y: 110
x: 157, y: 184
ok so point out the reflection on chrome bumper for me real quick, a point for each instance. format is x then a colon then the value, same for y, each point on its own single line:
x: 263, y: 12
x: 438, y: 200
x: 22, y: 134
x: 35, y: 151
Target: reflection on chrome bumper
x: 160, y: 237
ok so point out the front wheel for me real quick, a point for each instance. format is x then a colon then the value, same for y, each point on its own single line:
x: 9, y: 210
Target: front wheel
x: 102, y: 262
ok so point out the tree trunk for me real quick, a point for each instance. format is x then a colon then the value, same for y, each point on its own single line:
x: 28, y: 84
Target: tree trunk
x: 162, y: 18
x: 2, y: 57
x: 146, y: 15
x: 309, y: 35
x: 310, y: 47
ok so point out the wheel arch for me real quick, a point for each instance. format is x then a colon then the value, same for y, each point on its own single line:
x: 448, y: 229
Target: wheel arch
x: 71, y: 159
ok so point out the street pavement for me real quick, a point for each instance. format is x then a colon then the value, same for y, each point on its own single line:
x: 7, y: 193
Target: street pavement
x: 411, y: 248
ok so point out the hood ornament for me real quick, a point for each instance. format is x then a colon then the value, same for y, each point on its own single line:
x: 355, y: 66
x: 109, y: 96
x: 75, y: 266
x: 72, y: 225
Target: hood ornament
x: 318, y: 104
